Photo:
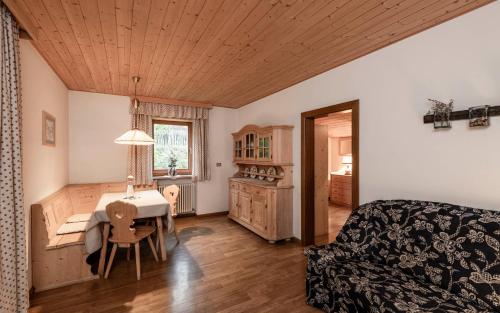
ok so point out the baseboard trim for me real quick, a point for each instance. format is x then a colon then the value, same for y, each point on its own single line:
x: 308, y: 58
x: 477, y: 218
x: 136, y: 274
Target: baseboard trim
x: 184, y: 215
x: 213, y: 214
x: 296, y: 240
x: 31, y: 293
x: 67, y: 283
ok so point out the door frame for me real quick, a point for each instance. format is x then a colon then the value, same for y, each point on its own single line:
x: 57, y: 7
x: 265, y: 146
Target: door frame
x: 307, y: 163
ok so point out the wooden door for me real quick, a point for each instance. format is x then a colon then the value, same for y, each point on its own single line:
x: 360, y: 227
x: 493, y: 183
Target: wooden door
x: 259, y: 211
x: 233, y: 208
x: 307, y: 163
x: 245, y: 206
x: 321, y: 180
x: 264, y: 144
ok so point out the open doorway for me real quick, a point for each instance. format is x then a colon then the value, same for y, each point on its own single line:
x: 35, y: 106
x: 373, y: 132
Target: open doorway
x: 330, y: 173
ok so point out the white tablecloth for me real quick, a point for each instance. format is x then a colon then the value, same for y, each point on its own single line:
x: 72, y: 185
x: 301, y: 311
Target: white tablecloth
x: 149, y: 203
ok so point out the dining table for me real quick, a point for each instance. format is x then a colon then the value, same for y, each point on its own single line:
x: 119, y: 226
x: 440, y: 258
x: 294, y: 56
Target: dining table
x: 149, y: 203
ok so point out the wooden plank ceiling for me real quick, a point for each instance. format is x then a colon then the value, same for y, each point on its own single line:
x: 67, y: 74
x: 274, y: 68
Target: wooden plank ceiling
x: 336, y: 120
x: 225, y: 52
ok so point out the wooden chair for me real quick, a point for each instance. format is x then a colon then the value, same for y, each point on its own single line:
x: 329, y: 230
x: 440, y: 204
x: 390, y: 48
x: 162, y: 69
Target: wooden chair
x: 171, y: 194
x: 123, y: 234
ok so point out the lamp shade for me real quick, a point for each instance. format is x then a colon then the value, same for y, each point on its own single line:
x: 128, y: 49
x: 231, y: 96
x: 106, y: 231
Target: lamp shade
x: 135, y: 137
x: 347, y: 159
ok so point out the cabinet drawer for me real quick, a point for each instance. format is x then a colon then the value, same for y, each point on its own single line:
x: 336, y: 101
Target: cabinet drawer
x: 341, y: 182
x: 341, y: 178
x: 338, y: 194
x: 245, y: 188
x: 234, y: 185
x: 344, y: 188
x: 258, y: 191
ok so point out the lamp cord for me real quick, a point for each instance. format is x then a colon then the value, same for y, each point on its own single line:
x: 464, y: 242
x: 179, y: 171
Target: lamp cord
x: 136, y: 102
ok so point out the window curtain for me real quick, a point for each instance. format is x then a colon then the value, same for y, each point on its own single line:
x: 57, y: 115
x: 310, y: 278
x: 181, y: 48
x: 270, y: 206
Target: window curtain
x: 201, y: 170
x: 141, y: 157
x: 13, y: 266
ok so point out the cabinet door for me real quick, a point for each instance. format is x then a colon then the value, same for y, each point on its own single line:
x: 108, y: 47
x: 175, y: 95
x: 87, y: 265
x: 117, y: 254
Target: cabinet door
x: 237, y: 148
x: 250, y: 146
x: 345, y: 146
x: 233, y: 208
x: 245, y: 201
x: 264, y: 145
x: 259, y: 212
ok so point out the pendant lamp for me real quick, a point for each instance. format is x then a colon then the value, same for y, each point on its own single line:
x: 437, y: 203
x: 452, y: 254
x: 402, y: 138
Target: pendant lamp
x: 135, y: 136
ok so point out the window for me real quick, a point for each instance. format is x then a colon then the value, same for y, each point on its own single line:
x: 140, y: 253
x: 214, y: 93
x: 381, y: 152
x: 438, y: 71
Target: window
x: 172, y: 142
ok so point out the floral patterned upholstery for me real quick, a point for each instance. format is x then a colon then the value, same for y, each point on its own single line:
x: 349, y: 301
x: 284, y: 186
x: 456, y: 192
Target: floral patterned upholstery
x: 409, y: 256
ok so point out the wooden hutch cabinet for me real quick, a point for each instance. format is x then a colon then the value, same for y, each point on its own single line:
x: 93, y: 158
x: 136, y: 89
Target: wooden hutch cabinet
x: 260, y: 192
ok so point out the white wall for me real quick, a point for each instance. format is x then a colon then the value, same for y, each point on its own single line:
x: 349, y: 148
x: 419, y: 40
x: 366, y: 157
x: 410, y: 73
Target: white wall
x: 400, y: 157
x: 45, y: 168
x: 97, y: 119
x: 213, y: 194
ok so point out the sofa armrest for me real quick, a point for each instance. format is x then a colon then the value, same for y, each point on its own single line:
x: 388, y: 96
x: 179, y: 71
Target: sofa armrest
x: 334, y: 252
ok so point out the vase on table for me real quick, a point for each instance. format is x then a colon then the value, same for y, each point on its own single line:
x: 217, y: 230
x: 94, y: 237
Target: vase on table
x: 130, y: 187
x: 172, y: 171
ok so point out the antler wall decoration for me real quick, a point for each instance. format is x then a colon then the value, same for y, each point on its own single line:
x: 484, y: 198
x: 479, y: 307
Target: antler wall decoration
x: 441, y: 114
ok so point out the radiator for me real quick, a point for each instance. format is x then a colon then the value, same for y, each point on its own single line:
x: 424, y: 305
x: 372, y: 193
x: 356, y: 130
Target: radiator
x: 186, y: 202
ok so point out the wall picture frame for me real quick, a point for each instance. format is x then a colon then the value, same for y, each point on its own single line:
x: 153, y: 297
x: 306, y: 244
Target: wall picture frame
x: 48, y: 129
x: 479, y: 117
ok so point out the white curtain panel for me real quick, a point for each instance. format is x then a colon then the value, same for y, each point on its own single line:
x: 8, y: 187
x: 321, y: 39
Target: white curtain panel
x: 140, y: 161
x: 13, y: 266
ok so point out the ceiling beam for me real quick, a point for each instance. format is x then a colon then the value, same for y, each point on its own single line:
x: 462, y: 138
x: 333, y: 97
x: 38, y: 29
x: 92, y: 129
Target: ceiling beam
x: 23, y: 19
x: 174, y: 102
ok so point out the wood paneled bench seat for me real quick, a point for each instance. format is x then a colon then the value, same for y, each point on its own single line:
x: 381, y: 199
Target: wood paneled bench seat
x: 60, y: 260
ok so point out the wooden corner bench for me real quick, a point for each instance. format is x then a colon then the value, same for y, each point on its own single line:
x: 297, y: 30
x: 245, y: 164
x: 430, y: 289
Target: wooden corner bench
x: 60, y: 260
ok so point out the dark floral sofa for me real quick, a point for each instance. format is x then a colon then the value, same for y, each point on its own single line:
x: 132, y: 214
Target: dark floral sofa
x: 409, y: 256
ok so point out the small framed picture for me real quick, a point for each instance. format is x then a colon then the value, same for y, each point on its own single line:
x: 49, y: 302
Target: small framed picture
x: 48, y: 129
x: 479, y: 117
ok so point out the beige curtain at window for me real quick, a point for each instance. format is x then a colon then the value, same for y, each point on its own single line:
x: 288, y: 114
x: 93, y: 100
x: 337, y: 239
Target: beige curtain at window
x: 141, y: 158
x: 140, y: 163
x: 13, y: 268
x: 201, y: 170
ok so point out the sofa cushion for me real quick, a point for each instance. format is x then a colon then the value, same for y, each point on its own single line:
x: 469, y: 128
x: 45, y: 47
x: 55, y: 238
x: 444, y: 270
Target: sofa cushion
x: 69, y: 228
x: 453, y: 247
x: 363, y: 286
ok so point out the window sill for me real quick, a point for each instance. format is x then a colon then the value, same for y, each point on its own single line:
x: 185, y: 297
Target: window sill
x: 176, y: 177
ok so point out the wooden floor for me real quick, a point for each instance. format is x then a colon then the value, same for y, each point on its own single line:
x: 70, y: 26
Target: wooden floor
x: 337, y: 216
x: 218, y: 267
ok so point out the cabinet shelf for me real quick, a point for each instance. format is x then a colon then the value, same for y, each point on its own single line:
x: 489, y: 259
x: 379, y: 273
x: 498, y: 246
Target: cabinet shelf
x: 265, y: 175
x: 257, y: 162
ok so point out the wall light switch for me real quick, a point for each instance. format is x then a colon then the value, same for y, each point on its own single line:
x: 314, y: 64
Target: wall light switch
x: 218, y: 164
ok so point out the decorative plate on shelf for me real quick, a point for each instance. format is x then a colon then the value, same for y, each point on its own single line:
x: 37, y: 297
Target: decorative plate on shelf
x: 247, y: 172
x: 271, y: 171
x: 262, y: 171
x: 253, y: 171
